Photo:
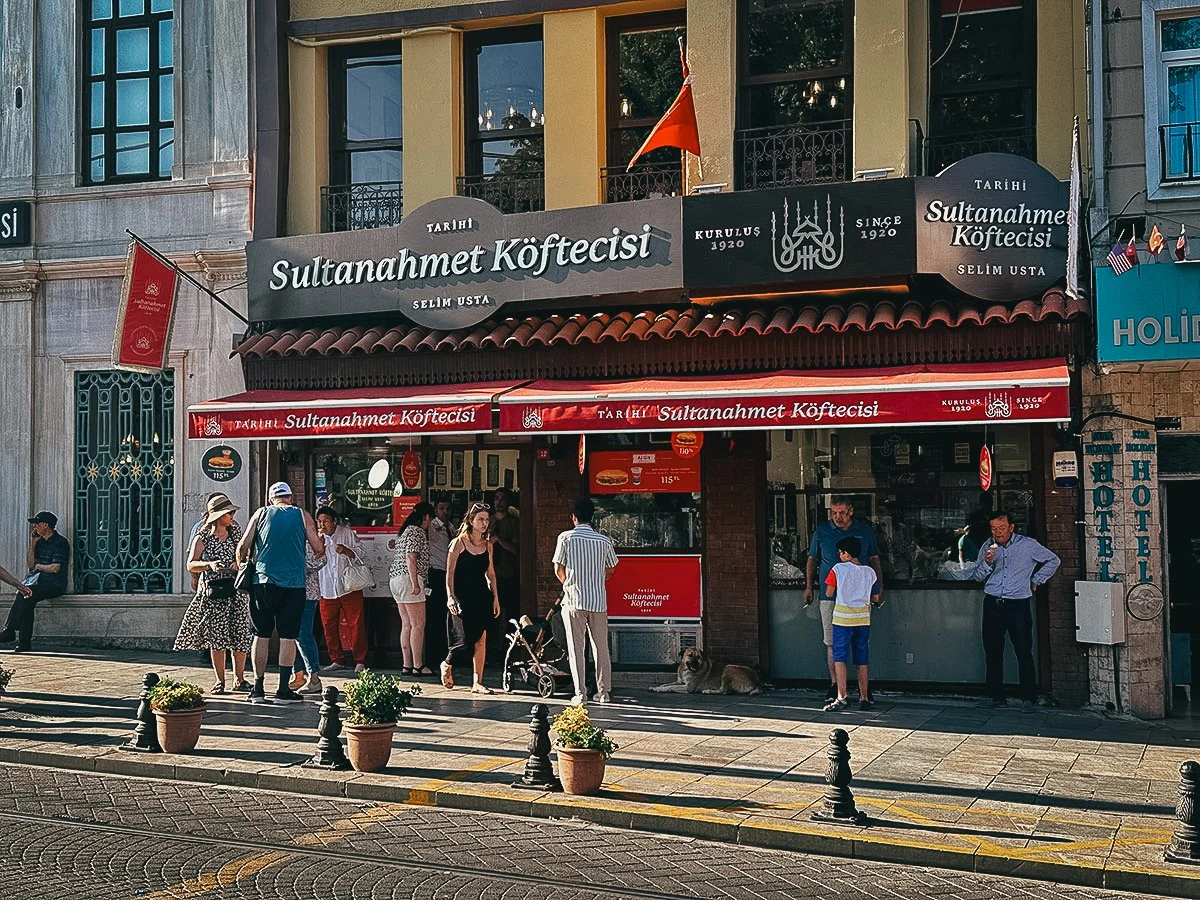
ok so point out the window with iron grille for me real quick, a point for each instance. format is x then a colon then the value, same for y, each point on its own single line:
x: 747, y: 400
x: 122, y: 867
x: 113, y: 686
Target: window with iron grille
x: 128, y: 91
x: 124, y: 482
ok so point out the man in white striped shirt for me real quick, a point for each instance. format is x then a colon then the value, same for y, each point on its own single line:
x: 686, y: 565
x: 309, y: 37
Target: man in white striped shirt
x: 583, y: 560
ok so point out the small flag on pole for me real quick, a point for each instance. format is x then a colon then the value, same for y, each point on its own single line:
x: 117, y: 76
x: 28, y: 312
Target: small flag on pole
x: 1073, y: 213
x: 1155, y: 242
x: 1118, y: 258
x: 1181, y: 245
x: 677, y: 127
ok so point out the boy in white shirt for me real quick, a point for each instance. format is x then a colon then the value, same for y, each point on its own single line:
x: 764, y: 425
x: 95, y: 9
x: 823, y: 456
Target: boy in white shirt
x: 854, y: 590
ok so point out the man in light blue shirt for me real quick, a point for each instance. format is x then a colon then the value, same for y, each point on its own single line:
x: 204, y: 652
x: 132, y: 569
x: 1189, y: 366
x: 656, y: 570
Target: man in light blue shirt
x: 1011, y: 567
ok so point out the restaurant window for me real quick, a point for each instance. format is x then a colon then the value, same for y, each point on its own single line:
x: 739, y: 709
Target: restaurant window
x: 367, y: 138
x: 983, y: 76
x: 506, y: 110
x: 644, y: 77
x: 918, y: 488
x: 794, y: 91
x: 124, y: 482
x: 128, y: 91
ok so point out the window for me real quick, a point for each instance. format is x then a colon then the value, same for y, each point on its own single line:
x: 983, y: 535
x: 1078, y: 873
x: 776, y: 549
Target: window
x: 982, y: 79
x: 644, y: 79
x: 367, y: 134
x: 129, y: 92
x: 794, y: 91
x: 124, y: 482
x: 1180, y: 111
x: 506, y: 110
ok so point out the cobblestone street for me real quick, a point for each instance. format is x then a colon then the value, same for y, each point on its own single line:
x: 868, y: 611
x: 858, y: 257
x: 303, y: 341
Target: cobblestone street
x: 74, y: 835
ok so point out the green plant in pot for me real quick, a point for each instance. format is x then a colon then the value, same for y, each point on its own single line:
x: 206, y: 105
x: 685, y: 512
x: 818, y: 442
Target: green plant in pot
x: 582, y: 750
x: 178, y: 707
x: 374, y: 703
x: 5, y: 677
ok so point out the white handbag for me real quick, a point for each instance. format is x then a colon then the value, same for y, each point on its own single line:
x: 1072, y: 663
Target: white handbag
x: 356, y: 576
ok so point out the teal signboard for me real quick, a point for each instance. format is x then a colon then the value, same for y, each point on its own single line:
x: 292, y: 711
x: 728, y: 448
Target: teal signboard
x: 1151, y: 312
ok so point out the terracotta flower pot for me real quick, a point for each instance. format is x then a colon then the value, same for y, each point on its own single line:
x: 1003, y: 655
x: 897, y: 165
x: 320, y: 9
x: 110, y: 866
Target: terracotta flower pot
x: 369, y: 746
x: 581, y: 771
x: 178, y: 732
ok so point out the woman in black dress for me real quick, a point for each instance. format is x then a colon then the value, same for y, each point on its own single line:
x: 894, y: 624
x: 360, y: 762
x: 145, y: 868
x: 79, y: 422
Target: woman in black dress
x: 473, y: 600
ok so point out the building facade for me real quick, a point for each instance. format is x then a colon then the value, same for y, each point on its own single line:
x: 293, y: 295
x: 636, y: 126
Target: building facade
x: 116, y: 115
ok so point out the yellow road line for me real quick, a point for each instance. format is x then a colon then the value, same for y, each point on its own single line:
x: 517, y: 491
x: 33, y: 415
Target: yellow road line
x: 228, y: 874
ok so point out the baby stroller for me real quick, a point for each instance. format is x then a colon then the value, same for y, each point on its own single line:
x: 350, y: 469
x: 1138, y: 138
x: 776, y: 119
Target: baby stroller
x: 536, y: 655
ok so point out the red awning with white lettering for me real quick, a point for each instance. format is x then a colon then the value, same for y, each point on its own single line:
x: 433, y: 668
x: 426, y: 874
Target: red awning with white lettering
x: 359, y: 412
x: 967, y: 394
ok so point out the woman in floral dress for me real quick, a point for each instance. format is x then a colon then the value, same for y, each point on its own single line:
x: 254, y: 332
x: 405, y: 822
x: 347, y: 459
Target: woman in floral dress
x: 218, y: 618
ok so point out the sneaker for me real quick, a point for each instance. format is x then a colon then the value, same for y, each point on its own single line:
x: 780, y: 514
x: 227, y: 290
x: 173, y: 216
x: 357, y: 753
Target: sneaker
x: 287, y: 695
x: 359, y: 668
x: 578, y: 700
x: 603, y: 699
x: 333, y: 667
x: 312, y: 685
x: 991, y: 703
x: 864, y: 705
x: 835, y: 705
x: 257, y: 695
x: 299, y: 679
x: 1027, y: 706
x: 831, y: 694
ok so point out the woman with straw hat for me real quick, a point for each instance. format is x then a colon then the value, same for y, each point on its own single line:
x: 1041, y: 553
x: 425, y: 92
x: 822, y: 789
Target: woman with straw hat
x: 218, y: 618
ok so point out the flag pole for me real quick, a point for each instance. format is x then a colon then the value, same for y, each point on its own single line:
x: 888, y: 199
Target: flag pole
x: 187, y: 277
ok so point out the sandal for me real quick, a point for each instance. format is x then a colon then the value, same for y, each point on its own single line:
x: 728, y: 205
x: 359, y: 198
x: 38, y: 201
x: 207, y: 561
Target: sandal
x: 242, y: 685
x: 218, y: 688
x: 423, y: 672
x: 447, y: 676
x: 407, y: 671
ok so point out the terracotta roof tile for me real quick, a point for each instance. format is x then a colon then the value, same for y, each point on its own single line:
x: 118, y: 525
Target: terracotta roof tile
x: 668, y: 324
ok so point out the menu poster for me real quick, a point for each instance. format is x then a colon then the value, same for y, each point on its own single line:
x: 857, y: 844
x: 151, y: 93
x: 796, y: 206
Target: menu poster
x: 655, y: 587
x: 377, y: 546
x: 648, y: 472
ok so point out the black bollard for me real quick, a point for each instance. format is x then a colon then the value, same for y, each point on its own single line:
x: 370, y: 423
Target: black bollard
x: 1185, y: 842
x: 539, y: 772
x: 838, y: 806
x: 330, y: 753
x: 145, y: 736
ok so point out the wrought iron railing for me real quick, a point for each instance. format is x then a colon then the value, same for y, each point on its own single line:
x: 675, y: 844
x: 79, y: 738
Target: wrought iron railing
x: 794, y: 154
x: 945, y: 149
x: 1179, y: 149
x: 352, y: 207
x: 509, y: 193
x: 646, y: 181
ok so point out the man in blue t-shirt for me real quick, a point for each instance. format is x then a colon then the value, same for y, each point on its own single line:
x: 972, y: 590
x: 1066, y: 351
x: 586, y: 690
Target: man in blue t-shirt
x: 823, y: 556
x: 47, y: 559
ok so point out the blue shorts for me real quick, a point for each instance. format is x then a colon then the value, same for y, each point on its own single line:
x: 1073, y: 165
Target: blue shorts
x: 847, y: 637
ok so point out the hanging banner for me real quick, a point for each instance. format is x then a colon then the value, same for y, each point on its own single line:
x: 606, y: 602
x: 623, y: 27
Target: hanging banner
x: 145, y: 314
x: 582, y: 453
x: 985, y: 468
x: 687, y: 444
x: 410, y: 469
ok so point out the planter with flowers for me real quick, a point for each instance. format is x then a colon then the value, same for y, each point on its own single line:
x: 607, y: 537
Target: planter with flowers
x: 178, y: 707
x: 374, y: 703
x: 5, y: 677
x: 582, y: 749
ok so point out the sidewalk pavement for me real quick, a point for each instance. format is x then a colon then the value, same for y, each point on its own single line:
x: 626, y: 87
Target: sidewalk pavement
x: 1060, y: 795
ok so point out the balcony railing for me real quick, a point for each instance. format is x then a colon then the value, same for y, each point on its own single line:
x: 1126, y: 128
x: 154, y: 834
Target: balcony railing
x: 351, y: 207
x: 646, y: 181
x: 1179, y: 149
x: 509, y: 193
x: 781, y: 156
x: 946, y: 149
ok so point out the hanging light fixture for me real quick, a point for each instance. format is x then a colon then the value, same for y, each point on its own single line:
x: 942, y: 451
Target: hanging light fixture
x: 832, y: 101
x: 626, y: 108
x: 841, y: 84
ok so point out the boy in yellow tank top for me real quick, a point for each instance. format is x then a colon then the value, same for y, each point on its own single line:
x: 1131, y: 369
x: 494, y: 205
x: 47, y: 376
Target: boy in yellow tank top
x: 854, y: 590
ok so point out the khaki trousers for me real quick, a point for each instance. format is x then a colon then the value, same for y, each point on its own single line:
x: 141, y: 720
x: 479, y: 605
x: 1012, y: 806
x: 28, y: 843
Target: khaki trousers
x: 593, y: 625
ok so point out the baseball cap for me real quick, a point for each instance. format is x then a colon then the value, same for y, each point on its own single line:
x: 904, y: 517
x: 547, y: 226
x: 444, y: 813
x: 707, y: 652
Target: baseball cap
x: 278, y: 489
x: 48, y: 517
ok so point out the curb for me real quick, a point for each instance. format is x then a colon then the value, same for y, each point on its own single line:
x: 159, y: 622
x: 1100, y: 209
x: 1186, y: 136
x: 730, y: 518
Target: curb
x: 788, y: 835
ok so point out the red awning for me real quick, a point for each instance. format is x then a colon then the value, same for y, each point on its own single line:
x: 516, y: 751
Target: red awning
x: 906, y: 395
x: 359, y: 412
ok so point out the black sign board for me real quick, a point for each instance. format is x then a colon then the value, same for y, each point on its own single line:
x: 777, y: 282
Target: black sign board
x: 994, y: 226
x: 456, y: 261
x: 16, y: 223
x: 799, y: 237
x: 221, y: 463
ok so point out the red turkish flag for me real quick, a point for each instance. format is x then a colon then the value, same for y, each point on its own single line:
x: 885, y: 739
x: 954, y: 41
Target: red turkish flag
x: 678, y: 127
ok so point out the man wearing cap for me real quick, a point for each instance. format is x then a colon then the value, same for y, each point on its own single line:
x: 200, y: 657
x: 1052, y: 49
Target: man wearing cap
x: 47, y: 559
x: 275, y: 538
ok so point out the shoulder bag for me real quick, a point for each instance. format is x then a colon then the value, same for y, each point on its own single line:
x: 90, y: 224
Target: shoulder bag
x: 356, y: 576
x: 245, y: 575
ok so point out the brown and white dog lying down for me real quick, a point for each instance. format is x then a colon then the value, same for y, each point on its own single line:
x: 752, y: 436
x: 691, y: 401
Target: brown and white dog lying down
x: 700, y: 674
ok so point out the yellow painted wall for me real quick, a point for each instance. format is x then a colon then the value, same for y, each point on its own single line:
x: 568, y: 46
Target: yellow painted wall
x: 918, y: 82
x: 433, y: 111
x: 573, y: 76
x: 1060, y: 81
x: 712, y: 43
x: 308, y: 167
x: 881, y: 96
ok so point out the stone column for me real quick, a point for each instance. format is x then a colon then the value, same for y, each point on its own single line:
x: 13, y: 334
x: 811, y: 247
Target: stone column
x: 712, y: 58
x: 19, y: 282
x: 881, y: 90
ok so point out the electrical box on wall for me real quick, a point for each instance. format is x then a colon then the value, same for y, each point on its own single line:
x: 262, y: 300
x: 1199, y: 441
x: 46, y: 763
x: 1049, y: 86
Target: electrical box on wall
x: 1099, y: 612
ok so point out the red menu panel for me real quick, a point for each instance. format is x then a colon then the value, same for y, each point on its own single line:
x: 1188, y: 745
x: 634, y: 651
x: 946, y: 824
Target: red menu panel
x: 643, y: 472
x: 655, y: 587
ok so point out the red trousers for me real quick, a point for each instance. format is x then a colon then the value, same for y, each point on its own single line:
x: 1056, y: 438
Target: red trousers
x: 342, y: 617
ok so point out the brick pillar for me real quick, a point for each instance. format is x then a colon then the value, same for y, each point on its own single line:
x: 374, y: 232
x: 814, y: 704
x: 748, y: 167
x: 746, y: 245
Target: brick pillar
x: 734, y: 491
x: 556, y: 485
